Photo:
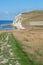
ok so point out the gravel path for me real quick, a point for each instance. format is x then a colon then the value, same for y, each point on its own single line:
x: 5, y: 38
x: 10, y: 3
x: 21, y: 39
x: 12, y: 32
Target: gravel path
x: 7, y: 55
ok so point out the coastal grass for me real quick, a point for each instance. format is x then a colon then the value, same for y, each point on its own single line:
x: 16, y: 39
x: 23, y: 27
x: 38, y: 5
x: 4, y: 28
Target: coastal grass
x: 19, y: 51
x: 20, y: 57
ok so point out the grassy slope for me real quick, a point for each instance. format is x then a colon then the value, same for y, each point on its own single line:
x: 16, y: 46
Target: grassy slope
x: 21, y: 56
x: 31, y: 16
x: 19, y: 52
x: 32, y: 44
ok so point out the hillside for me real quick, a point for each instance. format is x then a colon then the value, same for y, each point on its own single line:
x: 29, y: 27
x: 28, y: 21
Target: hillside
x: 21, y: 47
x: 22, y: 20
x: 31, y: 16
x: 31, y: 40
x: 34, y: 15
x: 32, y: 44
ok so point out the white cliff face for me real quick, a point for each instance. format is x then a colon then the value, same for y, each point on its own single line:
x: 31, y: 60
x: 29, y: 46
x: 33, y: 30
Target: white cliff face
x: 17, y: 22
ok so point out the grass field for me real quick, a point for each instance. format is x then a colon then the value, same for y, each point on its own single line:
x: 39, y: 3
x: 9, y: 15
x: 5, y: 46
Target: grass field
x: 11, y: 52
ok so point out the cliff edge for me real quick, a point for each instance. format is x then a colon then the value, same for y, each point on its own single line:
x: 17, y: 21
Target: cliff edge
x: 22, y: 21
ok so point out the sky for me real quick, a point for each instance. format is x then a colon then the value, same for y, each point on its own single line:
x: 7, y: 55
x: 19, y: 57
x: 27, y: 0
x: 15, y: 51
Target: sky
x: 10, y: 8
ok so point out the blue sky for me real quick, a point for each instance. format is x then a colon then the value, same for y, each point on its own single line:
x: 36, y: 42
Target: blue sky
x: 10, y: 8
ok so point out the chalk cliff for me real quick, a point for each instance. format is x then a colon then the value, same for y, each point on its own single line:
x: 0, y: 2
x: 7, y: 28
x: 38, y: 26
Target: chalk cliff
x: 17, y: 23
x: 22, y: 21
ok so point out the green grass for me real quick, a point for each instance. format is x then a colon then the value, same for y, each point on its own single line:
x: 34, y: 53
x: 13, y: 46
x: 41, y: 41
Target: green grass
x: 40, y: 26
x: 19, y: 51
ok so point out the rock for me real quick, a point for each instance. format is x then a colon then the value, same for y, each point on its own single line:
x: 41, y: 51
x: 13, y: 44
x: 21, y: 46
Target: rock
x: 17, y: 22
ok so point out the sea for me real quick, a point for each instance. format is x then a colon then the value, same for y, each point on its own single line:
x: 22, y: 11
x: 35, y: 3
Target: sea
x: 6, y: 24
